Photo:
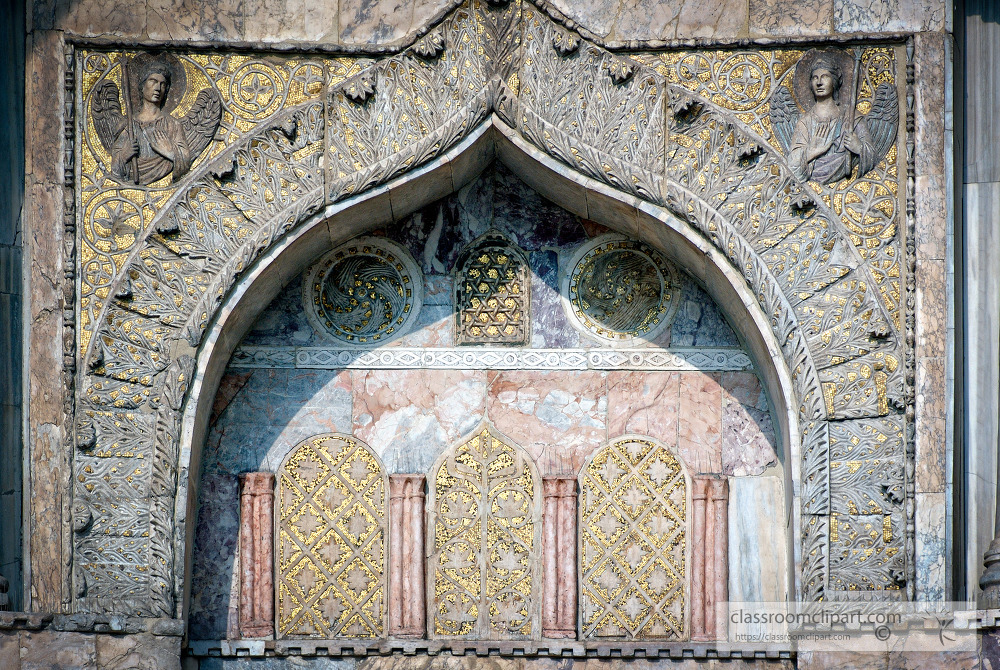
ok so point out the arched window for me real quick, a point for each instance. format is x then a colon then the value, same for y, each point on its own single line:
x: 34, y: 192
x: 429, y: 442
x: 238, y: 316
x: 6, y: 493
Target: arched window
x: 331, y: 540
x: 484, y: 515
x: 633, y: 542
x: 492, y: 284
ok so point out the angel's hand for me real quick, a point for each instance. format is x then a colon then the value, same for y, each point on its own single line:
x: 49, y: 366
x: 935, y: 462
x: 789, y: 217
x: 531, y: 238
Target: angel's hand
x: 853, y: 143
x: 161, y: 143
x: 130, y: 151
x: 825, y: 136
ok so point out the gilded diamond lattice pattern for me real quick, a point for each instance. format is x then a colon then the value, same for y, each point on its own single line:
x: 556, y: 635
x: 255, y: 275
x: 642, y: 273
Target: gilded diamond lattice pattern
x: 633, y: 519
x: 491, y: 293
x: 331, y: 540
x: 485, y: 513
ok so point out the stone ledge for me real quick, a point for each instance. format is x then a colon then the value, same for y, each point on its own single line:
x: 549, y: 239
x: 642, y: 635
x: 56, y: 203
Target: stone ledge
x: 541, y: 648
x: 91, y: 623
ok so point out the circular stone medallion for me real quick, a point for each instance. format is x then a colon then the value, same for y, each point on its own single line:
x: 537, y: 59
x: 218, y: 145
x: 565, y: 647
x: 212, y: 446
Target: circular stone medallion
x: 620, y: 290
x: 363, y: 293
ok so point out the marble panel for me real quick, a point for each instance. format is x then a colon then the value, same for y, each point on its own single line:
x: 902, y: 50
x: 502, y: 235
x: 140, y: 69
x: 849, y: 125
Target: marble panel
x: 277, y: 663
x: 720, y: 20
x: 931, y: 217
x: 218, y: 21
x: 932, y: 447
x: 597, y: 17
x: 90, y: 18
x: 748, y: 442
x: 932, y: 310
x: 757, y: 540
x: 557, y: 417
x: 872, y: 16
x: 932, y: 660
x: 791, y: 17
x: 648, y: 19
x: 699, y: 432
x: 214, y: 570
x: 526, y: 217
x: 931, y: 545
x: 274, y: 410
x: 698, y: 321
x: 47, y: 649
x: 549, y: 325
x: 644, y: 403
x: 284, y: 321
x: 841, y: 660
x: 289, y: 20
x: 409, y: 416
x: 138, y: 652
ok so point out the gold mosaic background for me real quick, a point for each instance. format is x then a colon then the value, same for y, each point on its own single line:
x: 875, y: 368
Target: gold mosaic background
x: 633, y: 520
x: 331, y: 541
x: 744, y: 81
x: 486, y: 519
x: 112, y: 215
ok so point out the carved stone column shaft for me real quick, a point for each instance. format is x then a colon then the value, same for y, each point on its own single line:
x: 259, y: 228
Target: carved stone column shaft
x: 257, y: 554
x: 709, y: 556
x: 406, y: 556
x: 559, y: 557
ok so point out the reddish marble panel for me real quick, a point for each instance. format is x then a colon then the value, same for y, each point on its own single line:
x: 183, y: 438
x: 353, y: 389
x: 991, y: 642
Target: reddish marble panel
x: 409, y: 416
x: 406, y: 566
x: 558, y: 417
x: 559, y: 556
x: 257, y: 555
x: 699, y: 430
x: 747, y: 431
x: 644, y: 403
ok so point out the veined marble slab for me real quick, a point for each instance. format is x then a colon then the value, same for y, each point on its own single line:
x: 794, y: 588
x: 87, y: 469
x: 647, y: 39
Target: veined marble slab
x: 395, y: 358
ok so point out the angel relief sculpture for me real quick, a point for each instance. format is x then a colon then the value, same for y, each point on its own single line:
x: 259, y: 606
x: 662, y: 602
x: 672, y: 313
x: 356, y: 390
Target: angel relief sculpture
x: 828, y: 139
x: 147, y: 143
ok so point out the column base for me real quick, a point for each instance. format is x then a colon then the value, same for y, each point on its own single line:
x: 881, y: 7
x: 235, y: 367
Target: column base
x: 989, y: 598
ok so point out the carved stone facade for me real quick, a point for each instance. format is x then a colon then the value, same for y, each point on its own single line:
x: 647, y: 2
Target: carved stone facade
x: 180, y: 192
x: 825, y: 261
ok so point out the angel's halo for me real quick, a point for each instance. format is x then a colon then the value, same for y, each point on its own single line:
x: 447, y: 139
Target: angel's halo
x: 803, y: 70
x: 178, y: 79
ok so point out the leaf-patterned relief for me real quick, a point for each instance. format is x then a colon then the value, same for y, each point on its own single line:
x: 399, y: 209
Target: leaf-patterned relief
x: 331, y: 540
x: 633, y: 542
x: 485, y: 519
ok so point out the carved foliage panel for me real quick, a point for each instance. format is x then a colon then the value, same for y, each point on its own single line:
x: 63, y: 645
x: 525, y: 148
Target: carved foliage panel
x: 484, y: 513
x: 492, y: 293
x: 331, y: 540
x: 633, y: 542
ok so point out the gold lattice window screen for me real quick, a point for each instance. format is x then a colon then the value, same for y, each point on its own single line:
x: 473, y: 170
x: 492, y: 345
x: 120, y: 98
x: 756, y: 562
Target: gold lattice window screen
x: 331, y: 540
x: 485, y: 515
x: 633, y: 542
x: 492, y: 293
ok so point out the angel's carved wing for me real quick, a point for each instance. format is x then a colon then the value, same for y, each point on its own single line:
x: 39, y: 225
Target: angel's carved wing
x: 106, y: 110
x: 202, y: 120
x: 784, y: 115
x: 883, y: 122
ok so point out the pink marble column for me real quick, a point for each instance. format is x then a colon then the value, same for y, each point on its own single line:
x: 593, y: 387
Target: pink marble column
x: 559, y: 556
x: 406, y: 556
x: 719, y: 506
x: 257, y: 554
x: 699, y: 496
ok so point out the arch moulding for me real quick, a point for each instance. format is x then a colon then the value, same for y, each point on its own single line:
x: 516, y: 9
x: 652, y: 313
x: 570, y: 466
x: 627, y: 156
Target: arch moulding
x: 615, y: 138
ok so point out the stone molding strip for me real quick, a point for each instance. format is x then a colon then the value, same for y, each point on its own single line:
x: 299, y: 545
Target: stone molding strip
x: 393, y: 358
x: 542, y: 648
